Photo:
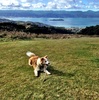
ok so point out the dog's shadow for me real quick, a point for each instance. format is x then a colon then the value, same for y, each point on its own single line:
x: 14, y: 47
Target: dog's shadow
x: 59, y: 73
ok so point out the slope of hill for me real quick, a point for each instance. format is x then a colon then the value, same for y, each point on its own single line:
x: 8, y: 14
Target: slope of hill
x: 92, y: 30
x: 24, y: 30
x: 27, y: 30
x: 74, y: 67
x: 31, y: 27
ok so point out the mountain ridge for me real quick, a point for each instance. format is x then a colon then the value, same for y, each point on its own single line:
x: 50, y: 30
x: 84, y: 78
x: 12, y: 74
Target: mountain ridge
x: 49, y: 14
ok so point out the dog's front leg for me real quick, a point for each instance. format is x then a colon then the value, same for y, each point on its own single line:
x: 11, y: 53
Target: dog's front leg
x: 47, y: 72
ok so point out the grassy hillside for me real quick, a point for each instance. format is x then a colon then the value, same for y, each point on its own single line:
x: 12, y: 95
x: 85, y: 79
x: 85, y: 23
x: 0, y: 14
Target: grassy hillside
x: 74, y: 67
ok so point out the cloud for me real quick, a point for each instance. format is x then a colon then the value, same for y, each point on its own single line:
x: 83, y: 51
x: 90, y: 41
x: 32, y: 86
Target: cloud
x: 38, y: 5
x: 60, y: 4
x: 49, y: 4
x: 9, y: 2
x: 25, y: 5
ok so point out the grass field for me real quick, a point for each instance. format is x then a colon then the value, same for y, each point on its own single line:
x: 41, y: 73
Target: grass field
x: 74, y: 67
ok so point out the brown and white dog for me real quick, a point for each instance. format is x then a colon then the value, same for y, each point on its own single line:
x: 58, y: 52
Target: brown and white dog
x: 38, y: 63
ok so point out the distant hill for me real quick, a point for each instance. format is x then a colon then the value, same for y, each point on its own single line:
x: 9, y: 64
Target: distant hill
x: 92, y: 30
x: 25, y: 30
x: 31, y: 27
x: 51, y: 14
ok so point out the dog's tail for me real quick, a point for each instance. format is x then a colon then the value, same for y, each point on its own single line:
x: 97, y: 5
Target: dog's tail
x: 29, y: 54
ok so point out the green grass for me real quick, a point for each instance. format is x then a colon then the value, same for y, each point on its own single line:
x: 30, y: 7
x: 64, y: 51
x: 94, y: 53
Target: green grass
x: 74, y: 67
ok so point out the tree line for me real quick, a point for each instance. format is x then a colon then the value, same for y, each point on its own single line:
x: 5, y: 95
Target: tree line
x: 92, y: 30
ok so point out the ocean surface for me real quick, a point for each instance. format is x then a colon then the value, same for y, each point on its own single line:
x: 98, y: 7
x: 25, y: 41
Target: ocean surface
x: 61, y: 22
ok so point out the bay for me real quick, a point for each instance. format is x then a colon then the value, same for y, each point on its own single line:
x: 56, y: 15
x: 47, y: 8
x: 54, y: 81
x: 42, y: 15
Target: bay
x: 61, y: 22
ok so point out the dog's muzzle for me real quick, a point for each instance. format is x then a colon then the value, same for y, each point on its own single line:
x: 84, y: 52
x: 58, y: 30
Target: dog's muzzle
x: 47, y: 64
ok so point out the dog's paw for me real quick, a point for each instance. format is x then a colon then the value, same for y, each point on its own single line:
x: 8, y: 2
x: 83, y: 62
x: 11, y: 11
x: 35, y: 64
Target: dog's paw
x: 48, y: 73
x: 36, y: 75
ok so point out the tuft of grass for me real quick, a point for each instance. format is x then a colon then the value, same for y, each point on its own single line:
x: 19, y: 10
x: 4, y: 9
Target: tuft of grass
x: 74, y: 67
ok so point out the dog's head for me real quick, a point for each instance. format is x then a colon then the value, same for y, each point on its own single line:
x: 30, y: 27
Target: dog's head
x: 43, y: 61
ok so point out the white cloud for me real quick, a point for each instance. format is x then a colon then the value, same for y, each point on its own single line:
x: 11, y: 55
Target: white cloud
x: 26, y: 5
x: 49, y: 4
x: 9, y: 2
x: 22, y: 0
x: 38, y: 5
x: 96, y: 6
x: 60, y: 4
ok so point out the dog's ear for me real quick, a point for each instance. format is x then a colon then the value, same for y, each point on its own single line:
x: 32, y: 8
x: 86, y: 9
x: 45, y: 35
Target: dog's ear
x: 42, y: 59
x: 46, y: 56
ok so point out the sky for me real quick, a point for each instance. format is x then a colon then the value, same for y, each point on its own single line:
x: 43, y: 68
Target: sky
x: 67, y: 5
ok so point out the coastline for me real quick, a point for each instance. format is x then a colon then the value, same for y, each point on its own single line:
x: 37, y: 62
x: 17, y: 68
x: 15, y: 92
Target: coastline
x: 67, y: 22
x: 72, y: 29
x: 29, y: 30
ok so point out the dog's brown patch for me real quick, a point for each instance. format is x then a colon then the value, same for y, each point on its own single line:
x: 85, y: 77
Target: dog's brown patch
x: 33, y: 61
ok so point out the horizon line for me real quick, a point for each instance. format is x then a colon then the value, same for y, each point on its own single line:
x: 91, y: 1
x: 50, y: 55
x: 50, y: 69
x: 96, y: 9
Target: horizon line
x: 46, y: 10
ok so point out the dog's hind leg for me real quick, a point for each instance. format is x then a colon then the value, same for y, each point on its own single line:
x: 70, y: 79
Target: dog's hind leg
x: 30, y: 62
x: 36, y: 72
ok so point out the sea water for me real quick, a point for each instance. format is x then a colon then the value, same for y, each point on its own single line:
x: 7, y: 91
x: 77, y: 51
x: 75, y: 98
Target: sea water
x: 61, y: 22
